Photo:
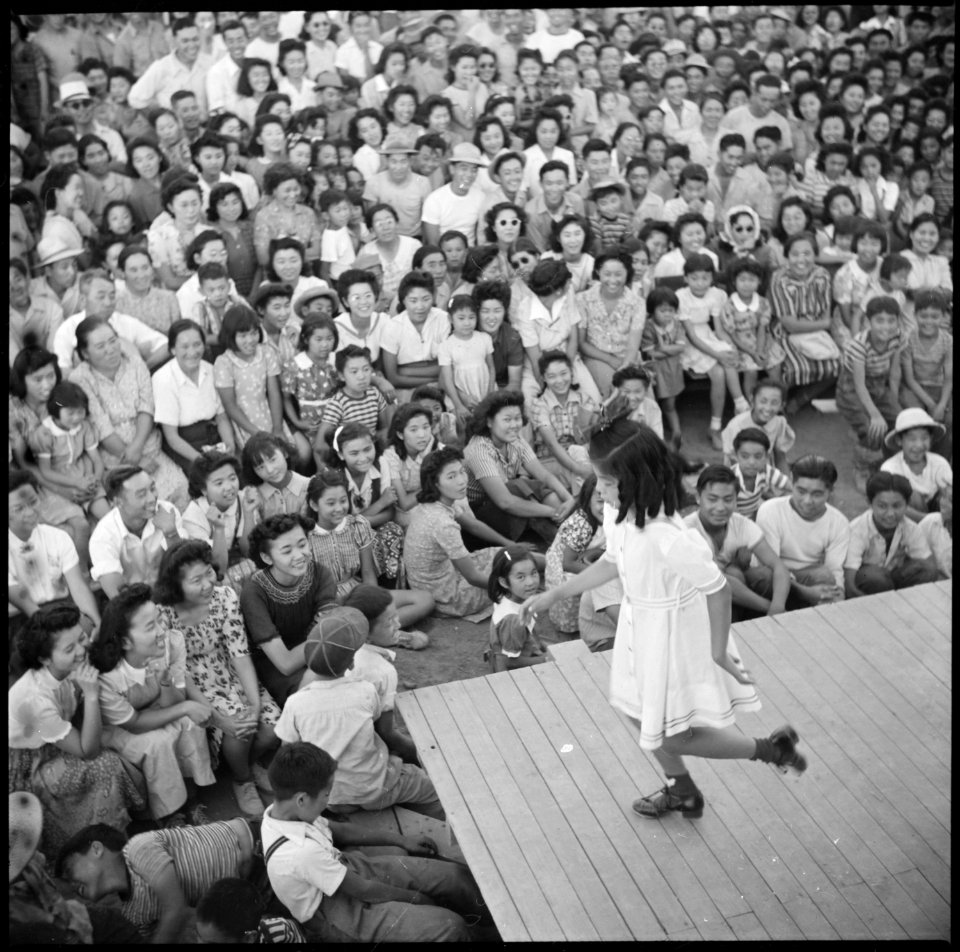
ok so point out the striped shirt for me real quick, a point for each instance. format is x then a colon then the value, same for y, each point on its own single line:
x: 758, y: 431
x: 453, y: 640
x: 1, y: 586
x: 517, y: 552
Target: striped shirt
x: 484, y: 460
x: 198, y: 855
x: 862, y: 351
x: 292, y: 498
x: 342, y: 408
x: 768, y: 484
x: 338, y: 550
x: 929, y: 357
x: 609, y: 232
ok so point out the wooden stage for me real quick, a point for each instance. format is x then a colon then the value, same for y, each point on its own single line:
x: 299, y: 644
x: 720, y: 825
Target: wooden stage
x: 537, y: 773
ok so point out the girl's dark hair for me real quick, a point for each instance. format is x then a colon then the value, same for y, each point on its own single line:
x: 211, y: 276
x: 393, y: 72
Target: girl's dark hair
x: 314, y: 322
x: 614, y: 254
x: 208, y: 462
x: 262, y: 121
x: 348, y: 432
x: 491, y: 290
x: 348, y: 353
x: 353, y: 276
x: 168, y: 589
x: 833, y: 148
x: 924, y: 219
x: 631, y: 372
x: 744, y: 266
x: 179, y: 327
x: 406, y: 413
x: 370, y: 600
x: 353, y: 134
x: 263, y: 533
x: 490, y: 406
x: 67, y: 396
x: 491, y: 216
x: 875, y: 230
x: 218, y: 193
x: 660, y: 296
x: 232, y: 906
x: 259, y: 447
x: 812, y: 466
x: 243, y: 80
x: 289, y: 46
x: 135, y: 224
x: 648, y: 472
x: 461, y: 302
x: 431, y: 469
x: 414, y: 281
x: 548, y: 277
x: 478, y: 258
x: 558, y: 226
x: 836, y: 111
x: 794, y: 201
x: 107, y: 651
x: 835, y: 192
x: 57, y: 178
x: 550, y: 357
x: 34, y: 642
x: 29, y: 361
x: 422, y: 115
x: 277, y: 174
x: 236, y: 319
x: 286, y: 243
x: 584, y: 498
x: 503, y: 561
x: 807, y: 236
x: 327, y: 477
x: 402, y: 90
x: 484, y: 123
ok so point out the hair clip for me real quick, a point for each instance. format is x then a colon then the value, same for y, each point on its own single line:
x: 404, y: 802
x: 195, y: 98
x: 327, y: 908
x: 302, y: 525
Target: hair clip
x: 336, y: 438
x: 506, y: 554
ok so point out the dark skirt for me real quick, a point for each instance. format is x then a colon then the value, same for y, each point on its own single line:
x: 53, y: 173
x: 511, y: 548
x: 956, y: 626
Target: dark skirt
x: 198, y: 435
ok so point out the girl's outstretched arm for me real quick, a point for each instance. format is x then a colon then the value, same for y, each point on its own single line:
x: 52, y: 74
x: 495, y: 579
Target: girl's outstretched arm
x: 603, y: 570
x: 718, y: 611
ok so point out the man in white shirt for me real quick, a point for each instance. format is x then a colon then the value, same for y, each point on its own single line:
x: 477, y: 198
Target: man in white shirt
x: 221, y: 82
x: 558, y: 35
x: 759, y: 111
x: 76, y: 99
x: 400, y: 187
x: 456, y: 206
x: 128, y: 542
x: 99, y: 298
x: 808, y: 534
x: 679, y: 113
x: 266, y: 46
x: 185, y: 68
x: 359, y: 55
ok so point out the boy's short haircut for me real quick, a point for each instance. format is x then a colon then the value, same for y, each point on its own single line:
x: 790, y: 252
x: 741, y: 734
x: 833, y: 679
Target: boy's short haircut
x: 689, y: 218
x: 731, y: 139
x: 554, y: 165
x: 922, y: 165
x: 882, y: 305
x: 453, y: 235
x: 929, y: 297
x: 602, y: 191
x: 769, y: 384
x: 632, y: 372
x: 744, y: 266
x: 884, y: 482
x: 232, y: 906
x: 813, y: 466
x: 698, y: 262
x: 768, y: 132
x: 350, y: 352
x: 751, y: 434
x: 17, y: 478
x: 211, y: 271
x: 370, y: 600
x: 676, y: 150
x: 891, y: 264
x: 428, y: 391
x: 715, y: 474
x: 331, y: 197
x: 694, y: 173
x: 432, y: 140
x: 660, y: 296
x: 300, y: 768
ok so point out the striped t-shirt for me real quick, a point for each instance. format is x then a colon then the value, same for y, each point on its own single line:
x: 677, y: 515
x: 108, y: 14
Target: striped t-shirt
x: 342, y: 408
x: 771, y: 482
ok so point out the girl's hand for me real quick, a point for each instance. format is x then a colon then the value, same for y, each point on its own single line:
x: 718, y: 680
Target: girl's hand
x: 240, y: 726
x: 199, y: 712
x: 84, y: 225
x: 250, y: 500
x: 537, y: 604
x: 564, y: 510
x: 390, y: 495
x: 591, y: 555
x: 420, y: 845
x: 165, y: 520
x: 388, y: 390
x: 88, y: 678
x: 216, y: 518
x: 732, y: 666
x: 939, y: 412
x: 727, y: 358
x: 76, y: 494
x: 877, y: 426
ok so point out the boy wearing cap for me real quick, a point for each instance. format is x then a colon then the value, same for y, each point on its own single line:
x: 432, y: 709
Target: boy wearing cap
x: 329, y: 87
x: 338, y: 715
x: 610, y: 223
x: 349, y: 896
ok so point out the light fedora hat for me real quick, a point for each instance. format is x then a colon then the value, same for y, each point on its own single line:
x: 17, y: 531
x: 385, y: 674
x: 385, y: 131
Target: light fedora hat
x: 466, y: 152
x: 52, y: 249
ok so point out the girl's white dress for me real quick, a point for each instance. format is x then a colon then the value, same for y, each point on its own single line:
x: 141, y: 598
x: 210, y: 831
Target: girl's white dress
x: 468, y: 358
x: 662, y: 672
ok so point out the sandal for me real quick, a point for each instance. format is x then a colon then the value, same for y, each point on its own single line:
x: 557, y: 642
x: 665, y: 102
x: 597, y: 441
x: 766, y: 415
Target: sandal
x: 664, y: 800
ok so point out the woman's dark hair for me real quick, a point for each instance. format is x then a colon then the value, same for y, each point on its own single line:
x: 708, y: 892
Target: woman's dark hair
x: 622, y: 128
x: 236, y: 319
x: 262, y: 121
x: 807, y: 86
x: 422, y: 116
x: 183, y: 183
x: 107, y: 651
x: 232, y: 906
x: 489, y: 407
x: 353, y: 134
x: 833, y: 148
x: 835, y: 192
x: 548, y: 277
x: 584, y: 498
x: 648, y: 472
x: 284, y: 243
x: 370, y: 600
x: 614, y: 254
x: 484, y: 123
x: 406, y: 413
x: 29, y: 361
x: 260, y: 447
x: 491, y: 291
x: 67, y: 396
x: 924, y: 219
x: 168, y: 589
x: 812, y: 466
x: 543, y: 113
x: 391, y: 49
x: 503, y: 561
x: 353, y: 276
x: 204, y: 465
x: 218, y: 193
x: 327, y: 477
x: 86, y: 141
x: 263, y: 533
x: 278, y: 173
x: 807, y: 236
x: 206, y: 237
x: 380, y: 207
x: 57, y: 178
x: 794, y: 201
x: 394, y: 94
x: 243, y: 80
x: 35, y: 642
x: 178, y: 327
x: 463, y: 51
x: 289, y: 46
x: 558, y: 226
x: 314, y: 322
x: 491, y: 216
x: 835, y: 111
x: 478, y: 258
x: 431, y: 469
x: 84, y: 329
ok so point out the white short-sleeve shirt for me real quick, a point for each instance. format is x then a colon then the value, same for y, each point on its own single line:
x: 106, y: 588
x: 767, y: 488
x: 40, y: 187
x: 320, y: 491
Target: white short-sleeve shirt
x: 39, y: 564
x: 178, y: 401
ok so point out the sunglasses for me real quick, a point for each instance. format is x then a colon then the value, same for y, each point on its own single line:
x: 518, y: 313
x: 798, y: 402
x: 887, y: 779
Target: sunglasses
x: 743, y: 227
x: 79, y: 104
x: 519, y: 262
x: 509, y: 221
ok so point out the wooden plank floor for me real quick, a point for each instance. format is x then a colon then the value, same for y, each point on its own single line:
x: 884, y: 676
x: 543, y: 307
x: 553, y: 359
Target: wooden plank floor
x: 537, y: 773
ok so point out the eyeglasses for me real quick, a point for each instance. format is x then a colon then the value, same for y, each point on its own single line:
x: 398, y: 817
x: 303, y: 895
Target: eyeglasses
x: 79, y: 104
x: 519, y: 262
x: 743, y: 227
x: 367, y: 296
x: 509, y: 221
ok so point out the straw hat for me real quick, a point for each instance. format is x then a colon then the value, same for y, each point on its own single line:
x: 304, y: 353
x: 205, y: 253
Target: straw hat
x: 910, y: 419
x: 499, y: 159
x: 394, y: 145
x: 696, y: 61
x: 466, y: 152
x: 312, y: 295
x: 326, y: 79
x: 53, y: 249
x: 269, y: 289
x: 26, y: 822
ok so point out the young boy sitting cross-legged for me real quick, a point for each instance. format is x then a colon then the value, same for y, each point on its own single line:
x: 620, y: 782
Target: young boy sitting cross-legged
x: 349, y: 896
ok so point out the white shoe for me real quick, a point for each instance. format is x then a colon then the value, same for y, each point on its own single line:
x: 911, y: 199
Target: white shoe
x: 261, y: 778
x: 248, y: 799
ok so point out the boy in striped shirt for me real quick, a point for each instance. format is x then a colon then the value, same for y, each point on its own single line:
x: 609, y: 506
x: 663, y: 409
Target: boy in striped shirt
x: 357, y: 401
x: 757, y: 478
